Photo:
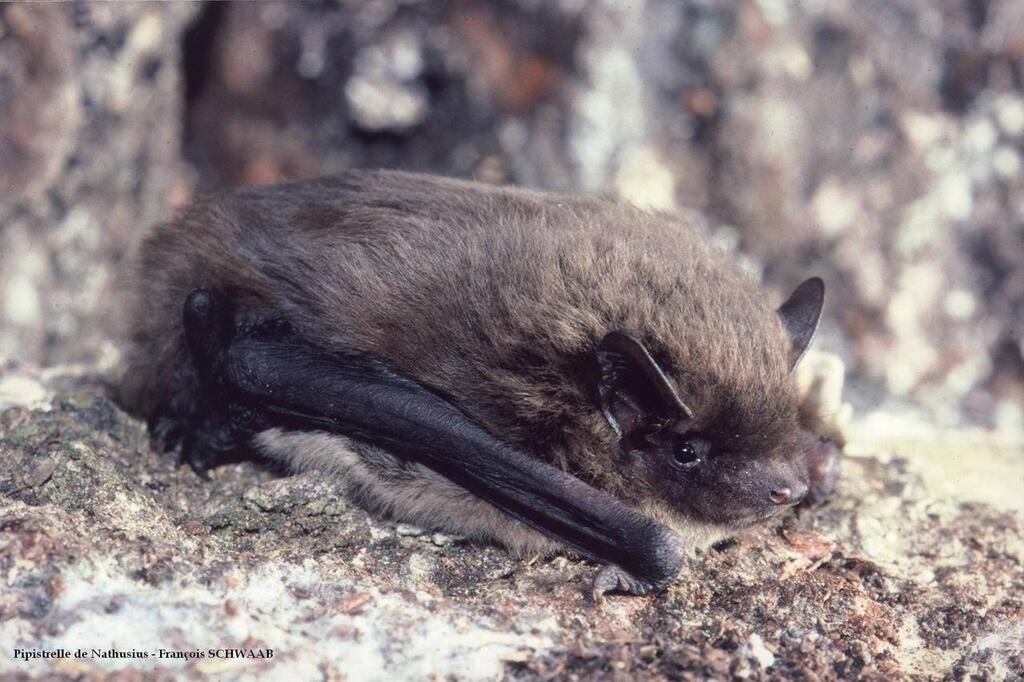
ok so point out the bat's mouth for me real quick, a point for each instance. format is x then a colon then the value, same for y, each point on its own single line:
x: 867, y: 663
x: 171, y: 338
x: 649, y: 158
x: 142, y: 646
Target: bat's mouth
x: 759, y: 516
x: 771, y: 512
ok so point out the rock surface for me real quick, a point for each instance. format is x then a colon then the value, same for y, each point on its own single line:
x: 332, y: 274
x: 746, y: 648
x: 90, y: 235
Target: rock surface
x: 876, y: 143
x: 90, y: 123
x: 106, y: 545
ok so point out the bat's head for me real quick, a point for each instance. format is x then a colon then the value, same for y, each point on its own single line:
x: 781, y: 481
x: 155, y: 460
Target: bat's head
x: 718, y: 442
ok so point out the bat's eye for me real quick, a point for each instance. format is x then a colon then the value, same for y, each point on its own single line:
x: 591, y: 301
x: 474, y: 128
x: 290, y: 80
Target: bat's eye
x: 689, y: 453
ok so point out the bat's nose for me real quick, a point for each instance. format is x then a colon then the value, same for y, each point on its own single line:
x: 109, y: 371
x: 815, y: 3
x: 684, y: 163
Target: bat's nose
x: 791, y: 493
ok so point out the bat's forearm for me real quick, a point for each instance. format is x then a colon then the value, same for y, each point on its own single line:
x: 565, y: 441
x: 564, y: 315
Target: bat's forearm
x: 296, y: 385
x: 268, y: 377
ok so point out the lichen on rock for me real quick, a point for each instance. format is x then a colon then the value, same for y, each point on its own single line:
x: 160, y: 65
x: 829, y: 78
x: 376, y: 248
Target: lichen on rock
x: 106, y: 544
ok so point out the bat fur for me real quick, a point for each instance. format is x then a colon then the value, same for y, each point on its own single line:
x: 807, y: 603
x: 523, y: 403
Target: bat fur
x: 496, y: 298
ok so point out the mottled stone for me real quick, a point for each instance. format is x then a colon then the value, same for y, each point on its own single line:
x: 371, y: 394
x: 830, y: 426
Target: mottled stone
x: 90, y: 112
x: 106, y: 544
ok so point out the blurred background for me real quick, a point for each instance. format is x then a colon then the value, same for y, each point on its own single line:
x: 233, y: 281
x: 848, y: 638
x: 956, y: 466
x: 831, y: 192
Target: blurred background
x: 877, y: 143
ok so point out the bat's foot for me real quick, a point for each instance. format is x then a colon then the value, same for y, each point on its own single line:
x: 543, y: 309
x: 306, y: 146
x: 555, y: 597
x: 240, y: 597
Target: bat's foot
x: 823, y: 464
x: 612, y: 578
x: 197, y: 418
x: 202, y: 436
x: 215, y: 439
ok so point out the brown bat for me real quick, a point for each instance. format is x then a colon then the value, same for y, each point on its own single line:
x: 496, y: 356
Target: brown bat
x: 533, y: 369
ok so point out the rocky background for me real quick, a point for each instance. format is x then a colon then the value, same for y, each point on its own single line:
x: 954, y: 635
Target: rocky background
x: 876, y: 143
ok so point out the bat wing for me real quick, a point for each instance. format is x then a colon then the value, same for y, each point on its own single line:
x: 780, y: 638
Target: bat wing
x: 278, y: 379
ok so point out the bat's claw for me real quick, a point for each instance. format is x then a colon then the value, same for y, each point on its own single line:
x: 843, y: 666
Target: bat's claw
x: 199, y: 462
x: 612, y: 578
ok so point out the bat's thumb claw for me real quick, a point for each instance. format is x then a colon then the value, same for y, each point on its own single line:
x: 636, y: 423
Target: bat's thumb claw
x: 611, y: 578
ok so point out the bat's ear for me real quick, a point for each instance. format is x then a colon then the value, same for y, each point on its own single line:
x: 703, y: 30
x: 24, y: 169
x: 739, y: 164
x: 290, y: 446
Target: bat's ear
x: 635, y: 394
x: 800, y: 314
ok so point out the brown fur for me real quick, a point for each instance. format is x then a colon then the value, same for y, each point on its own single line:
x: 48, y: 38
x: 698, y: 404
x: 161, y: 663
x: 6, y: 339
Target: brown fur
x: 495, y: 296
x: 412, y: 493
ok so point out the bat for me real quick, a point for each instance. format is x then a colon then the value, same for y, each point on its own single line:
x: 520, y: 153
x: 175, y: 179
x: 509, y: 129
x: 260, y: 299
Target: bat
x: 538, y: 370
